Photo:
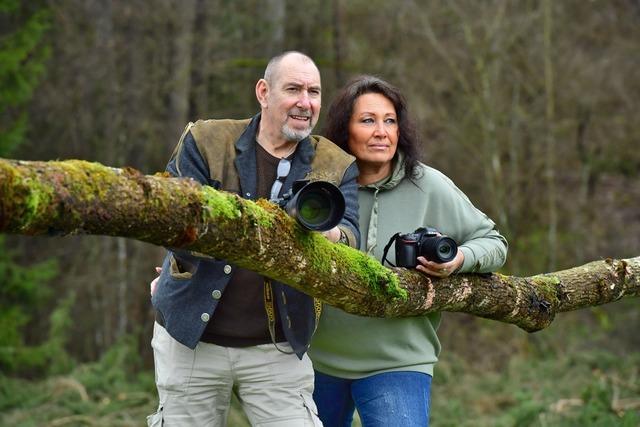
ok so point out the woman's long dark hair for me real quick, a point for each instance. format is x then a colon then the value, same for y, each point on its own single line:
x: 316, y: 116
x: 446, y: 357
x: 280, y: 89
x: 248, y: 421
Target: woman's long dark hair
x: 336, y: 127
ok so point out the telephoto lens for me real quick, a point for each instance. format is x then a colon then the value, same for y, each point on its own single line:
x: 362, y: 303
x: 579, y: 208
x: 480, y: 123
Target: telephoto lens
x: 317, y: 206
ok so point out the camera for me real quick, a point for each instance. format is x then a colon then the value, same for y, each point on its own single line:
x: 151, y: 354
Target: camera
x: 317, y: 205
x: 426, y: 242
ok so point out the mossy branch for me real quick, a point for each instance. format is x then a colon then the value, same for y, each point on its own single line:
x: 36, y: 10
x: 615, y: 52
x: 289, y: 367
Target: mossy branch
x: 77, y: 197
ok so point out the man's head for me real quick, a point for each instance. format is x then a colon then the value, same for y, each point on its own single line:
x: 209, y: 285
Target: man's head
x: 289, y: 96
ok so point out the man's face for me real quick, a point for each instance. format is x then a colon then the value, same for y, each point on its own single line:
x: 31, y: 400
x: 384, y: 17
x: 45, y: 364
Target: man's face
x: 292, y: 100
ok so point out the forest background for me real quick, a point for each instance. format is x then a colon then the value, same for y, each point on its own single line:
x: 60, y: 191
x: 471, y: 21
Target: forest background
x: 531, y: 107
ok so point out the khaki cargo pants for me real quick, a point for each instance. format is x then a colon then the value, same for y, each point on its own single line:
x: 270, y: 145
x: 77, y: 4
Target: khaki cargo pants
x: 195, y: 386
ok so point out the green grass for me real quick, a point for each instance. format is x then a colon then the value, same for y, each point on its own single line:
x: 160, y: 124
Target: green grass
x: 584, y: 370
x: 587, y: 389
x: 111, y: 392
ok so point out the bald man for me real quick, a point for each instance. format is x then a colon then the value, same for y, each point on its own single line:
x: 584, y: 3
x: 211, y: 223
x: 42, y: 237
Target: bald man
x: 221, y: 329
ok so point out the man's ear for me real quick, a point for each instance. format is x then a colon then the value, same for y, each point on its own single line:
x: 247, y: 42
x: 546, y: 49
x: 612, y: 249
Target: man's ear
x: 262, y: 90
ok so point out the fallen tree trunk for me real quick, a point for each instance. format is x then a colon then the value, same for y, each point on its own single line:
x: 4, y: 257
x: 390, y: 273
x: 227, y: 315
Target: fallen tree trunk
x: 77, y: 197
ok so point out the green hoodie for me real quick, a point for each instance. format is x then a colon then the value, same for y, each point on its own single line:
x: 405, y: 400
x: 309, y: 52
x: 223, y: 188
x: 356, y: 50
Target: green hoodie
x: 350, y: 346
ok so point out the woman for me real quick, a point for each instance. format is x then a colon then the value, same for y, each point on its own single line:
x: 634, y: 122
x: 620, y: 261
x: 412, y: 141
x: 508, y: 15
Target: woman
x: 383, y: 367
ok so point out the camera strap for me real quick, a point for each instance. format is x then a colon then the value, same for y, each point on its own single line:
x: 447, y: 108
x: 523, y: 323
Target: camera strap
x: 271, y: 313
x: 386, y: 250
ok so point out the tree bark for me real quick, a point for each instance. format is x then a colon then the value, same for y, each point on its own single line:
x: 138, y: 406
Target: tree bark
x: 77, y: 197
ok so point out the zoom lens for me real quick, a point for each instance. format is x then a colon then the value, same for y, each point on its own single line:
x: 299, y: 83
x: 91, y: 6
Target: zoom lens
x: 318, y: 206
x: 438, y: 248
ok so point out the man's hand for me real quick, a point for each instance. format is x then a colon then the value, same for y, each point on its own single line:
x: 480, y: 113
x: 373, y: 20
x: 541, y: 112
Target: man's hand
x: 440, y: 270
x: 154, y: 282
x: 332, y: 235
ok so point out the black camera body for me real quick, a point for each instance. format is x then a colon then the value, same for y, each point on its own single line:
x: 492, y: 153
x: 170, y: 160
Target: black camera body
x: 426, y: 242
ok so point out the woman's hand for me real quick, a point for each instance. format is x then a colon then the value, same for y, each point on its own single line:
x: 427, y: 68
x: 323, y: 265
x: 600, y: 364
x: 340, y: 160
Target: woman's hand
x: 440, y: 270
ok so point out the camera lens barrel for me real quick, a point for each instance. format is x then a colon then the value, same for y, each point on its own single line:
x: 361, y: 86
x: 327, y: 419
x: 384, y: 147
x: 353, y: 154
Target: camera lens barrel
x: 318, y: 206
x: 438, y: 248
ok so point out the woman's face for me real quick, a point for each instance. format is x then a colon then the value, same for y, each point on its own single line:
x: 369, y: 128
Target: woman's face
x: 373, y: 131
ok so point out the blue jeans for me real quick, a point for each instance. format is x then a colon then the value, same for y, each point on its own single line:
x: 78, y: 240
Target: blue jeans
x: 388, y: 399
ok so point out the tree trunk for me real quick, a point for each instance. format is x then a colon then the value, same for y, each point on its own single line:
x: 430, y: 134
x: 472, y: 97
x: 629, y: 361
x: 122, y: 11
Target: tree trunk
x: 180, y: 63
x: 77, y: 197
x: 550, y: 143
x: 275, y: 16
x: 339, y: 42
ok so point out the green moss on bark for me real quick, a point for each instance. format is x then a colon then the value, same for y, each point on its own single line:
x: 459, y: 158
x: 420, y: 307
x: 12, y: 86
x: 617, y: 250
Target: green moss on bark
x: 220, y: 206
x: 77, y: 196
x: 380, y: 280
x: 548, y: 282
x: 36, y: 200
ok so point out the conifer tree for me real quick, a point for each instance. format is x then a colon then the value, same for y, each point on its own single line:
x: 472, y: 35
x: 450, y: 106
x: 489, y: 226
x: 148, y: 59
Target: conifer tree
x: 22, y: 60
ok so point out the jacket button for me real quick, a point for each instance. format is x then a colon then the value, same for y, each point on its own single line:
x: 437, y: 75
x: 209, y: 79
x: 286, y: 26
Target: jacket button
x: 227, y: 269
x: 216, y: 294
x: 204, y: 317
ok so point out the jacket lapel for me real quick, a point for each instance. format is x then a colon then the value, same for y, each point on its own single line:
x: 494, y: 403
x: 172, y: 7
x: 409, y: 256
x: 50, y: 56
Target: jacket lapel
x: 301, y: 165
x: 245, y: 161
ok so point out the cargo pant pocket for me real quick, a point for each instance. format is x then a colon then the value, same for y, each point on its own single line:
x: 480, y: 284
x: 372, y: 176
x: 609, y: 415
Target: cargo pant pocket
x: 301, y: 419
x: 312, y: 409
x: 157, y: 419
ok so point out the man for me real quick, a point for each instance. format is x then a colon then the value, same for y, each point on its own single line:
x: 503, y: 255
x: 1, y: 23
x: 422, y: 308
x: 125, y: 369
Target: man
x: 213, y: 335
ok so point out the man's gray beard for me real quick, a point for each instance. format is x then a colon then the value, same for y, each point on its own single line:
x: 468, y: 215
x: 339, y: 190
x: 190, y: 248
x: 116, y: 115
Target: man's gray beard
x: 295, y: 135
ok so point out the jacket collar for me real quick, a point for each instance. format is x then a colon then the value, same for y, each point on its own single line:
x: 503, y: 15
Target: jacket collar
x: 245, y: 161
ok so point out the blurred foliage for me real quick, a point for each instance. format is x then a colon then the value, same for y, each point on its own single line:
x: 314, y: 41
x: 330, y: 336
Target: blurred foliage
x: 48, y: 357
x: 22, y: 58
x: 110, y: 392
x: 23, y: 288
x: 572, y: 374
x: 529, y: 106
